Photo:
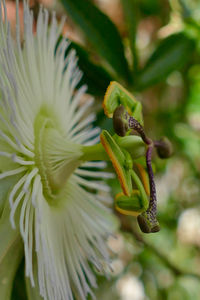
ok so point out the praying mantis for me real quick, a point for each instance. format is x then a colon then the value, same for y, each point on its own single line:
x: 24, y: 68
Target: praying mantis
x: 126, y: 113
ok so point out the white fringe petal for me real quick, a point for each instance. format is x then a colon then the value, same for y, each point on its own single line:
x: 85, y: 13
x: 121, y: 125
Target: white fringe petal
x: 70, y: 233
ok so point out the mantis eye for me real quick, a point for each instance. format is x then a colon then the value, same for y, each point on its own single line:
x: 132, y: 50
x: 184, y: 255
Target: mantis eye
x: 120, y: 122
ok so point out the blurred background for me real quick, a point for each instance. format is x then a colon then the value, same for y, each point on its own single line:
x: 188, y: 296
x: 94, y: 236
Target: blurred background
x: 152, y: 47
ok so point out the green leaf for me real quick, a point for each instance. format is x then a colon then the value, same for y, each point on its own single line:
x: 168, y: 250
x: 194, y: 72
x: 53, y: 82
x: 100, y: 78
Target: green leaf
x: 96, y: 77
x: 130, y: 9
x: 172, y: 53
x: 101, y: 33
x: 11, y: 252
x: 151, y: 7
x: 186, y: 11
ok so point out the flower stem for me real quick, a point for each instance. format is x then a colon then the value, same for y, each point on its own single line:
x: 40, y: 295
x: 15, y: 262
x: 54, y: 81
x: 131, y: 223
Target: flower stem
x: 94, y: 152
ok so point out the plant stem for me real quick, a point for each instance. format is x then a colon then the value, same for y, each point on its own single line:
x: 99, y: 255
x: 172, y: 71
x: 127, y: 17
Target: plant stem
x: 94, y: 152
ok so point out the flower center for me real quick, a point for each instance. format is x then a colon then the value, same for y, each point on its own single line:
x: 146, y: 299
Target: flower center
x: 55, y: 155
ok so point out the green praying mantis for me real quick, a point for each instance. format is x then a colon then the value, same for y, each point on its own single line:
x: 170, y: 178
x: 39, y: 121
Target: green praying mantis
x: 126, y: 113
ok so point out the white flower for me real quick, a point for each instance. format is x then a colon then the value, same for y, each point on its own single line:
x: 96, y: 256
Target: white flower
x: 43, y: 129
